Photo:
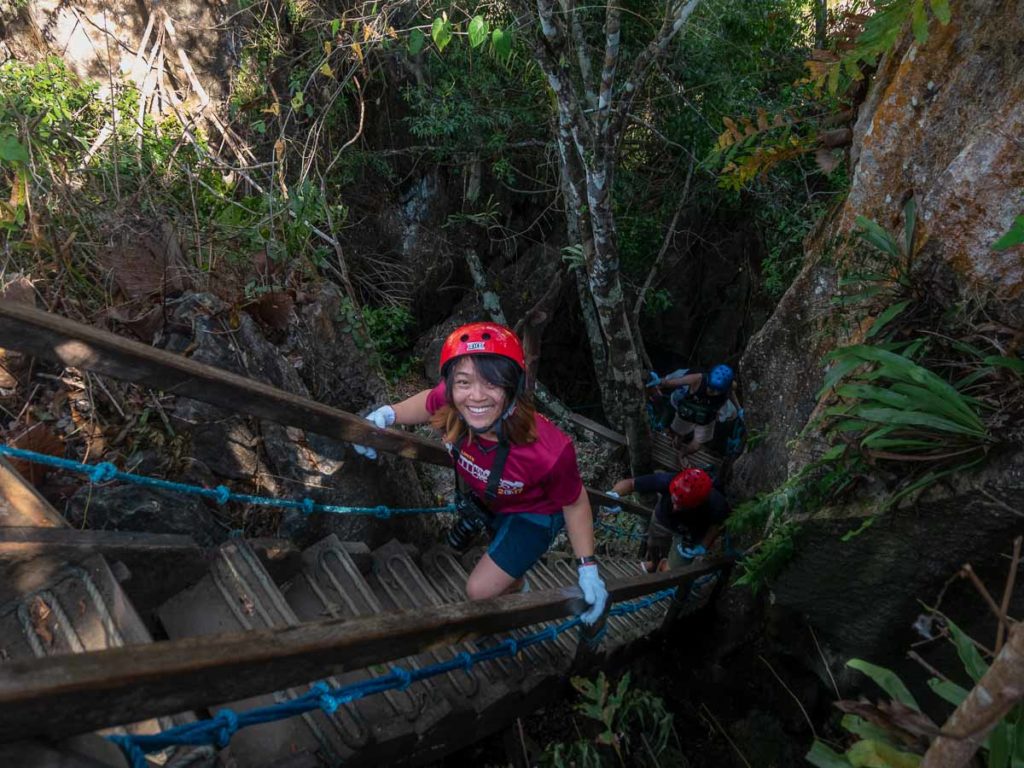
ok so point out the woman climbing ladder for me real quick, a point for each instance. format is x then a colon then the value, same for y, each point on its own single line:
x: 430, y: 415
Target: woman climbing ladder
x: 520, y: 470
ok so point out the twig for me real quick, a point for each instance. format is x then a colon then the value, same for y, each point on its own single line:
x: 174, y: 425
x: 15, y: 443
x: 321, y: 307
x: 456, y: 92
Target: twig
x: 1011, y: 578
x: 522, y: 741
x: 1000, y: 503
x: 967, y: 572
x: 113, y: 400
x: 790, y: 692
x: 915, y: 656
x: 726, y: 735
x: 824, y: 661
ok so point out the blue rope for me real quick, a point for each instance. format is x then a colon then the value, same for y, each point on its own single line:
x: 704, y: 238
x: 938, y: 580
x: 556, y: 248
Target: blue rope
x: 219, y: 729
x: 104, y: 472
x: 617, y: 530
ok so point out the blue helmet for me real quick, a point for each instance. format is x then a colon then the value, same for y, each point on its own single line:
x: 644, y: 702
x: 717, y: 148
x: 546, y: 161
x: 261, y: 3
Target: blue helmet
x: 720, y: 378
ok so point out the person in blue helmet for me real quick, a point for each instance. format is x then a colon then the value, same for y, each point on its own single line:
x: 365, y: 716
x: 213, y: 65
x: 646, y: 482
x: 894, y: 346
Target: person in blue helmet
x: 698, y: 397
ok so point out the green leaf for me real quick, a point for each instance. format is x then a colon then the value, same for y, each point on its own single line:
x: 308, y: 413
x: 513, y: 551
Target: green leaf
x: 968, y: 652
x: 912, y: 418
x: 867, y: 393
x: 902, y: 368
x: 823, y: 756
x: 941, y: 10
x: 11, y: 150
x: 999, y: 746
x: 858, y: 726
x: 335, y: 27
x: 478, y: 31
x: 1013, y: 363
x: 841, y: 367
x: 929, y: 401
x: 885, y: 317
x: 833, y: 78
x: 1016, y: 720
x: 416, y: 41
x: 919, y: 22
x: 1014, y: 237
x: 869, y: 753
x: 909, y: 222
x: 835, y: 452
x: 948, y: 690
x: 855, y: 532
x: 501, y: 42
x: 441, y: 32
x: 874, y: 235
x: 887, y: 680
x: 297, y: 101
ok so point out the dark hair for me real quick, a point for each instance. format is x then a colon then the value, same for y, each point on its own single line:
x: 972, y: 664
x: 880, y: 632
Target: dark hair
x: 498, y: 371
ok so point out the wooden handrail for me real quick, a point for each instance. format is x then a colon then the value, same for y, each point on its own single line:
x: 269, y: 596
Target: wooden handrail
x: 75, y: 693
x: 73, y: 344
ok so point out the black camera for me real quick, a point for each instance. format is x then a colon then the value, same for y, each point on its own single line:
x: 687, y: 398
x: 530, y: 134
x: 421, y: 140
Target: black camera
x: 473, y: 518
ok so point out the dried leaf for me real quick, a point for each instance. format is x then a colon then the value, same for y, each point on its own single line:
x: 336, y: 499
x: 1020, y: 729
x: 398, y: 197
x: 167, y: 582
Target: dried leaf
x: 41, y: 439
x: 731, y: 125
x: 899, y: 720
x: 826, y: 159
x: 39, y: 612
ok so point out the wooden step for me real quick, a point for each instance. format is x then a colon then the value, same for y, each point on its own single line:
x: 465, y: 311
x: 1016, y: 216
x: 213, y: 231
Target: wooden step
x: 332, y: 585
x: 401, y: 585
x: 441, y: 565
x: 81, y: 608
x: 665, y: 456
x: 238, y: 595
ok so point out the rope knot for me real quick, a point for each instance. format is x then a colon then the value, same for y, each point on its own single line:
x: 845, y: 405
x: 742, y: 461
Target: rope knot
x: 512, y: 645
x: 228, y: 721
x: 103, y: 472
x: 223, y: 494
x: 308, y: 507
x: 403, y: 675
x: 382, y: 512
x: 466, y: 659
x: 327, y: 702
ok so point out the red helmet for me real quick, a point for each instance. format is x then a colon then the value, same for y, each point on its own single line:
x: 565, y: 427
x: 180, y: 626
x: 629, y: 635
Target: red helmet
x: 483, y: 339
x: 690, y: 488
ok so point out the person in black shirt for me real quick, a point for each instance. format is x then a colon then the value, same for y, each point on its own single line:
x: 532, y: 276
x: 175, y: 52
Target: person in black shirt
x: 687, y: 518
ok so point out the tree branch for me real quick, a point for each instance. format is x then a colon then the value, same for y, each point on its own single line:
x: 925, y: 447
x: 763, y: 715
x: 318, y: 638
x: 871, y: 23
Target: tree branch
x: 677, y: 15
x: 998, y: 691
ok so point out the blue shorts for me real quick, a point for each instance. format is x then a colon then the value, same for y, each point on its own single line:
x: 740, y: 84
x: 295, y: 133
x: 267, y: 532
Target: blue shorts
x: 520, y: 540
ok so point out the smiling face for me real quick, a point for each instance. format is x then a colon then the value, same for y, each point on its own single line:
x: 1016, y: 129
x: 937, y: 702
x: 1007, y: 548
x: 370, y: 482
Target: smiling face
x: 479, y: 402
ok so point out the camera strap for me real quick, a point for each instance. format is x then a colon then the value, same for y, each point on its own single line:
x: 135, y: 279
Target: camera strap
x: 491, y: 492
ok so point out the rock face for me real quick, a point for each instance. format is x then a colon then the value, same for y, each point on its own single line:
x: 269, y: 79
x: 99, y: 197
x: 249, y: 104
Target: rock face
x: 942, y: 122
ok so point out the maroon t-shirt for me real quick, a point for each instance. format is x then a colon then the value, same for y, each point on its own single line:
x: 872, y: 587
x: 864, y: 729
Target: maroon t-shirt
x: 540, y: 477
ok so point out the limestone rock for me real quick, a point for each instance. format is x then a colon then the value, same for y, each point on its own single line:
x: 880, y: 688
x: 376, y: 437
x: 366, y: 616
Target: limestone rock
x: 133, y: 508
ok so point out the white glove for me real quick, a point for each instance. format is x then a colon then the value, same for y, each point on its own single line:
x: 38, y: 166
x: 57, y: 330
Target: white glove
x: 594, y: 592
x: 612, y: 510
x: 383, y: 418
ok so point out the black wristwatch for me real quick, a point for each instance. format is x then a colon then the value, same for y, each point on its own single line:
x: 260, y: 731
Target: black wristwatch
x: 588, y: 560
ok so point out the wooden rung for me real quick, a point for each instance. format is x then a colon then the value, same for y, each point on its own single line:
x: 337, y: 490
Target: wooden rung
x: 21, y: 505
